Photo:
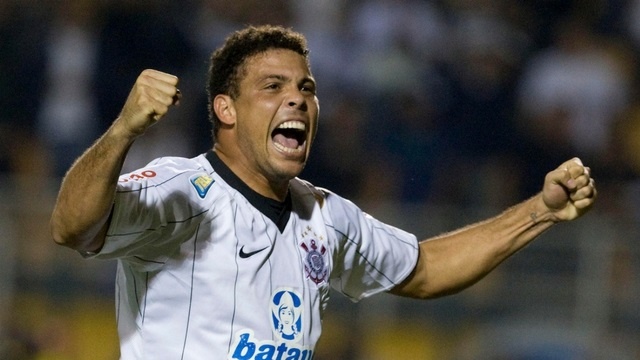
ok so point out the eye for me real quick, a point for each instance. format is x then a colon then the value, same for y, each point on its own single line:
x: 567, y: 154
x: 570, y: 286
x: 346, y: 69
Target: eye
x: 308, y: 87
x: 272, y: 86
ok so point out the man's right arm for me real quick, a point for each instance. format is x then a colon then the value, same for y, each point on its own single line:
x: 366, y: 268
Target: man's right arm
x: 85, y: 200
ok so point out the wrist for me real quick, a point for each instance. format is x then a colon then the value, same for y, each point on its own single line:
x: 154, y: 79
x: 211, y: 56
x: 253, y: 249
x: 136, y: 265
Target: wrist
x: 119, y: 131
x: 539, y: 212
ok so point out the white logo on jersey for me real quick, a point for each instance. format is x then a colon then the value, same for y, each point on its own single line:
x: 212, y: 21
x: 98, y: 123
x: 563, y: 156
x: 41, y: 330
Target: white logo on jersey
x: 286, y: 314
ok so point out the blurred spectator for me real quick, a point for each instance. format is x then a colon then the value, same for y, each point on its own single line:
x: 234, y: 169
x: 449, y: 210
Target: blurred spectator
x: 419, y: 26
x: 573, y: 92
x: 396, y: 45
x: 67, y: 119
x: 404, y: 137
x: 483, y: 69
x: 480, y: 166
x: 571, y: 96
x: 394, y: 52
x: 209, y: 21
x: 330, y: 38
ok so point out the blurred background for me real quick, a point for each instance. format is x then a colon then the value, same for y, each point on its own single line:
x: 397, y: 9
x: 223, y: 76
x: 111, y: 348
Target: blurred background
x: 433, y: 114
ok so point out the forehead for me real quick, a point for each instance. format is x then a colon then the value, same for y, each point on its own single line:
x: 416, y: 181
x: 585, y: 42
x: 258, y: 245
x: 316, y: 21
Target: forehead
x: 277, y: 62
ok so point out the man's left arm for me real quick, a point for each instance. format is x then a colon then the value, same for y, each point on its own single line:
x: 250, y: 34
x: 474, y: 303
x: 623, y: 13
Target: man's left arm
x: 454, y: 261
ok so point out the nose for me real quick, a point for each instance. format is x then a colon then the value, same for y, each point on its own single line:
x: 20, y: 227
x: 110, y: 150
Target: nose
x: 297, y: 100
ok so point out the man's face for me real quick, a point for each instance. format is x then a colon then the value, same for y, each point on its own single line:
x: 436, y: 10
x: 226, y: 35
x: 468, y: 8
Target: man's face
x: 276, y: 114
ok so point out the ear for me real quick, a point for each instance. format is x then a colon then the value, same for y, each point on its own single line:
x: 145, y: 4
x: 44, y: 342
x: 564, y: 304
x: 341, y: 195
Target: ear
x: 223, y: 107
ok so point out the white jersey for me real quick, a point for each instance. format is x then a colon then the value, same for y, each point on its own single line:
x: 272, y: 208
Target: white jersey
x: 205, y: 270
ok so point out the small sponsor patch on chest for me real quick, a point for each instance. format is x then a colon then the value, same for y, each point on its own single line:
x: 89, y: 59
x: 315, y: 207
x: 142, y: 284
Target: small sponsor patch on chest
x: 201, y: 183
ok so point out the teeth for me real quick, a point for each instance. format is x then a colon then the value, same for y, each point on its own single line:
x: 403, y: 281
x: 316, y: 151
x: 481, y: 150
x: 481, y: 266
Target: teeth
x: 298, y: 125
x: 288, y: 150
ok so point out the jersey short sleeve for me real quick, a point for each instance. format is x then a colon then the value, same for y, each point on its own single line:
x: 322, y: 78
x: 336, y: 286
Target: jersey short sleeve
x: 370, y: 256
x: 156, y: 208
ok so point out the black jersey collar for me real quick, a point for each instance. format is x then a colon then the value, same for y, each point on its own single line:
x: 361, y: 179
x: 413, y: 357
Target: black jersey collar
x: 277, y: 211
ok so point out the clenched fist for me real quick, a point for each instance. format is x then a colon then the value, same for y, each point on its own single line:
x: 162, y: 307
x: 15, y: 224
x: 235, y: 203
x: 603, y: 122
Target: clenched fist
x: 569, y: 191
x: 149, y: 100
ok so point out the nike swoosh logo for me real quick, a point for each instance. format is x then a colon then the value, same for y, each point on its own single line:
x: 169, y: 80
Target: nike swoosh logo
x: 245, y: 255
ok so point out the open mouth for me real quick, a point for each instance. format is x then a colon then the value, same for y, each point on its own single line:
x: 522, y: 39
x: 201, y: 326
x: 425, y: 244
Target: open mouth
x: 290, y: 136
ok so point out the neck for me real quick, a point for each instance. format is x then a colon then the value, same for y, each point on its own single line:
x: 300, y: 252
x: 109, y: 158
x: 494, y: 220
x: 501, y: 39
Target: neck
x: 276, y: 190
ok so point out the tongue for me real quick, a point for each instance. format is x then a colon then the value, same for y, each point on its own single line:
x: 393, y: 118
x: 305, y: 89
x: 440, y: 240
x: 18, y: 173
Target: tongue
x: 289, y: 142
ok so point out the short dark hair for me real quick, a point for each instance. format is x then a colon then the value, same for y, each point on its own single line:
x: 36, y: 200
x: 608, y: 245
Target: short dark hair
x: 227, y: 62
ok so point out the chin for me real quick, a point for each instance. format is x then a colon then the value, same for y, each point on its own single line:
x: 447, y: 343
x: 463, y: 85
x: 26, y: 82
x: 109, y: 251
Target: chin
x: 289, y: 172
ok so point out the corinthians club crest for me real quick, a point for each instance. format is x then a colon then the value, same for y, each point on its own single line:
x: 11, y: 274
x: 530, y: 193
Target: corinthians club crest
x: 315, y: 265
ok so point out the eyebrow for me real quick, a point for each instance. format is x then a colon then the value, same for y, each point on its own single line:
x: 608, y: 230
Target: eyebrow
x: 285, y: 78
x: 274, y: 77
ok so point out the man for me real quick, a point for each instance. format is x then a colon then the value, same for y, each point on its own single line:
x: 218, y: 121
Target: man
x: 229, y: 253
